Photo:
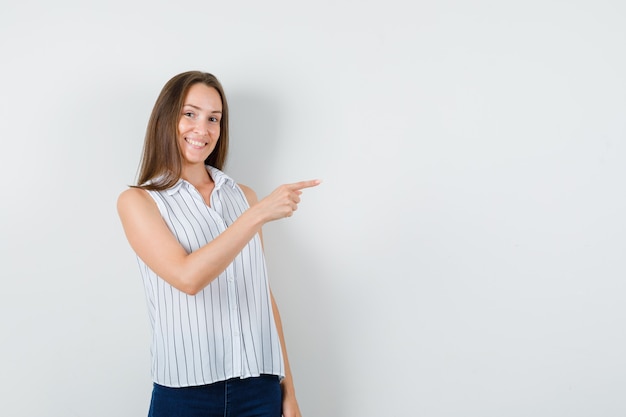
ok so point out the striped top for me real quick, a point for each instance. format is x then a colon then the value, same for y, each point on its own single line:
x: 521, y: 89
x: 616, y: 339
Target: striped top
x: 227, y: 330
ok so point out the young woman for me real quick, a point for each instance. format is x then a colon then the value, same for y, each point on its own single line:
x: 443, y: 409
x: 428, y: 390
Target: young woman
x: 217, y: 342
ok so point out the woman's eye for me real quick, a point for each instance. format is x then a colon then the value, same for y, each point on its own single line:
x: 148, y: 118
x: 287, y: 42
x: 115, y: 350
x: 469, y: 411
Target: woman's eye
x: 188, y: 114
x: 213, y: 119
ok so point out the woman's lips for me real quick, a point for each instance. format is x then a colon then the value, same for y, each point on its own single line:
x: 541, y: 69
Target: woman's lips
x: 195, y: 143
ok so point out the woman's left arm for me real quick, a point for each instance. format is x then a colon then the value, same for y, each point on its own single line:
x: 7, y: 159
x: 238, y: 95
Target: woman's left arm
x: 290, y: 404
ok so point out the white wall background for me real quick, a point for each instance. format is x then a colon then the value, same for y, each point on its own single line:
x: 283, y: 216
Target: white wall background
x: 463, y: 257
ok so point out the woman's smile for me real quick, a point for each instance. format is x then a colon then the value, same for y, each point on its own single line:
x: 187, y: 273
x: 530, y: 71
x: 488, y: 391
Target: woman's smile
x: 195, y: 143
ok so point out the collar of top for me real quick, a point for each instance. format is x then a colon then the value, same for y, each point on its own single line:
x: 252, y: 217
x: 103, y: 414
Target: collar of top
x: 219, y: 178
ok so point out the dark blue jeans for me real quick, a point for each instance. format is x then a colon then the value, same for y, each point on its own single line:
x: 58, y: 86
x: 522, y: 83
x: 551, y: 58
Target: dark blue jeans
x: 249, y: 397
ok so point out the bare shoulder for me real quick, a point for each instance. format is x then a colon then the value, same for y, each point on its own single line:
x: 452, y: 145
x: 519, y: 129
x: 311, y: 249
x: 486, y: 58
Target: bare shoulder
x: 133, y: 199
x: 141, y: 220
x: 250, y: 194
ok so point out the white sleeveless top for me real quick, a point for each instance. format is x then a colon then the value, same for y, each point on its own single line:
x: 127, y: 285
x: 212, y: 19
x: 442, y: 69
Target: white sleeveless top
x: 227, y: 330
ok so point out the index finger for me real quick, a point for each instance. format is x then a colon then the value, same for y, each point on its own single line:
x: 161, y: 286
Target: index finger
x: 304, y: 184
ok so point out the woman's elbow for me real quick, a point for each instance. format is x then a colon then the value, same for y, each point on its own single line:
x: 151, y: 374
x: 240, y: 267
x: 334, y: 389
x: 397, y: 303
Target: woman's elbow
x: 190, y: 279
x: 192, y: 283
x: 189, y: 287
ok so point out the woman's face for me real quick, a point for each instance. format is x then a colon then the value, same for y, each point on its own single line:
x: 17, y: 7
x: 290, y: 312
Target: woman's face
x: 199, y: 123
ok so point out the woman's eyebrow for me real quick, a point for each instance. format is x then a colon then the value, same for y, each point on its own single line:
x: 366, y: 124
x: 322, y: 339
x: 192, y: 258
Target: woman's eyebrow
x: 200, y: 108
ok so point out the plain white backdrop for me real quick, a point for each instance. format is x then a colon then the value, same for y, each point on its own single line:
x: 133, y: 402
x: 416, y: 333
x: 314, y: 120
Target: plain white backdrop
x: 464, y: 255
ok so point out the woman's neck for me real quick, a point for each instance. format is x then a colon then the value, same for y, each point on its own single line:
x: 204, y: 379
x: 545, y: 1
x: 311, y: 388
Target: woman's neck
x: 197, y: 175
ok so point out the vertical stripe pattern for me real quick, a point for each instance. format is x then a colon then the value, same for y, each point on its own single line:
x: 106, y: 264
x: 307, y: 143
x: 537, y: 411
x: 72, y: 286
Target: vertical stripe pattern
x: 227, y: 330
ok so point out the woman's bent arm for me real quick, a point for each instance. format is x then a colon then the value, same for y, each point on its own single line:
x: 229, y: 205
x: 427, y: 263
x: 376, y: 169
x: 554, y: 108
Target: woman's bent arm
x: 154, y: 243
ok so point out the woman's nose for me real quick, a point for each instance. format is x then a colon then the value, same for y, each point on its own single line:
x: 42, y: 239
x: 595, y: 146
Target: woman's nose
x: 202, y: 127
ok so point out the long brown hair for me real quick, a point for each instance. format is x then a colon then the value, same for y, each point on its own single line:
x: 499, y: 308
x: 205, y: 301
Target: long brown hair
x: 161, y: 161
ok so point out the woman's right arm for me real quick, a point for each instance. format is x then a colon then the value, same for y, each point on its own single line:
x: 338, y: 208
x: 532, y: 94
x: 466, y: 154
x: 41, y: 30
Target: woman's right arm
x: 155, y: 244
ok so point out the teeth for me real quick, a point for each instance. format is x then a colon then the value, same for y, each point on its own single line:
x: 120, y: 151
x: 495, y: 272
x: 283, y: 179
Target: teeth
x: 195, y: 143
